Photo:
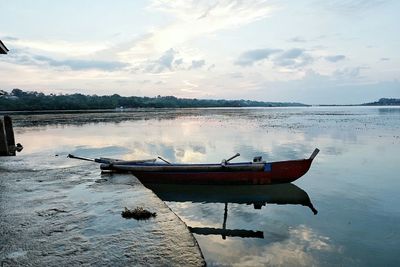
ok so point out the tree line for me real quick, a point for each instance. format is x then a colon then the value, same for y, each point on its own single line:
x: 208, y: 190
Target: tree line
x: 384, y: 102
x: 18, y: 99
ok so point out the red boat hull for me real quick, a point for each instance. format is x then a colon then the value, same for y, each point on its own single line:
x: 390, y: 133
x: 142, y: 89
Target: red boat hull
x: 277, y: 172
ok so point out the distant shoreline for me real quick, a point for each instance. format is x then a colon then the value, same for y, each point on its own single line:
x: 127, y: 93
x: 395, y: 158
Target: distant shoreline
x: 31, y: 101
x: 19, y: 100
x: 355, y: 105
x: 66, y: 111
x: 381, y: 102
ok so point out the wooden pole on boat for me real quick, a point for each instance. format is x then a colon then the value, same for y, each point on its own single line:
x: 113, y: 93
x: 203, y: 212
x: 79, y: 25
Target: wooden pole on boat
x: 235, y: 156
x: 164, y: 160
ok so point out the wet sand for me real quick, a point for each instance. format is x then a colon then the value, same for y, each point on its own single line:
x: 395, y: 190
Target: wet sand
x: 58, y: 215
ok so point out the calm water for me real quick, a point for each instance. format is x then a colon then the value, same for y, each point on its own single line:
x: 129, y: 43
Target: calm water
x: 353, y: 183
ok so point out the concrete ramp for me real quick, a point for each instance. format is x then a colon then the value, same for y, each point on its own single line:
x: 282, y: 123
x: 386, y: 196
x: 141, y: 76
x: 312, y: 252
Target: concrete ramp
x: 71, y: 215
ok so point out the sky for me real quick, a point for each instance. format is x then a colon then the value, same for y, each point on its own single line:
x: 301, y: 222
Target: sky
x: 309, y: 51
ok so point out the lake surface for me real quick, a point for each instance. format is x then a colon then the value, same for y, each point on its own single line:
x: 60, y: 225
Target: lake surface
x: 353, y: 183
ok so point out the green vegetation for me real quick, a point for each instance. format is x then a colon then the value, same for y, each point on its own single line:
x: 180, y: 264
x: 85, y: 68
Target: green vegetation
x: 18, y: 99
x: 384, y: 102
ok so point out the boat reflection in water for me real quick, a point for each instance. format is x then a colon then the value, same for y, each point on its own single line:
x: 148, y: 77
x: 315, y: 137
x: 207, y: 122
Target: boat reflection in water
x: 256, y: 195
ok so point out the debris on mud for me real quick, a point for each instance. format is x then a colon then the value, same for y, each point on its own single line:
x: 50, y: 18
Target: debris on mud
x: 137, y: 213
x: 50, y: 212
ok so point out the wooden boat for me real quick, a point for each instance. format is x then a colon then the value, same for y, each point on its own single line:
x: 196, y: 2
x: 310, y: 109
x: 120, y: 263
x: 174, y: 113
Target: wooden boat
x: 256, y: 172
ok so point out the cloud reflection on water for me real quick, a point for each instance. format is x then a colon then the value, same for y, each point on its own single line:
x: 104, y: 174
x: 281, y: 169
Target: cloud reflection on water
x: 297, y: 250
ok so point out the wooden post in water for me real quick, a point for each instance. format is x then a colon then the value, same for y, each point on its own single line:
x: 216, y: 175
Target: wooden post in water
x: 3, y: 139
x: 9, y: 135
x: 7, y: 141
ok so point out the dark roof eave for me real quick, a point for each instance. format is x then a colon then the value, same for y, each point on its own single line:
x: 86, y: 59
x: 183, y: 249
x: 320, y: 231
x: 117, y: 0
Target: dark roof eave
x: 3, y: 48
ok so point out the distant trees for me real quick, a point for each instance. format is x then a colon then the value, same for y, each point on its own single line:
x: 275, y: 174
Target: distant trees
x: 385, y: 102
x: 23, y: 100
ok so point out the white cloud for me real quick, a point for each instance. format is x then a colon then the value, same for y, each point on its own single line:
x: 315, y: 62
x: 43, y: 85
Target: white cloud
x: 351, y: 6
x: 335, y: 58
x: 59, y: 47
x: 342, y: 86
x: 248, y: 58
x: 290, y: 58
x: 304, y: 247
x: 193, y: 19
x: 196, y: 64
x: 165, y: 62
x: 297, y: 39
x: 22, y: 57
x: 293, y: 58
x: 348, y: 73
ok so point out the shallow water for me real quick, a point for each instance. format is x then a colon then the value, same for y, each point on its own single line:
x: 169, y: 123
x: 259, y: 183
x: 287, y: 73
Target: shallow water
x: 353, y: 182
